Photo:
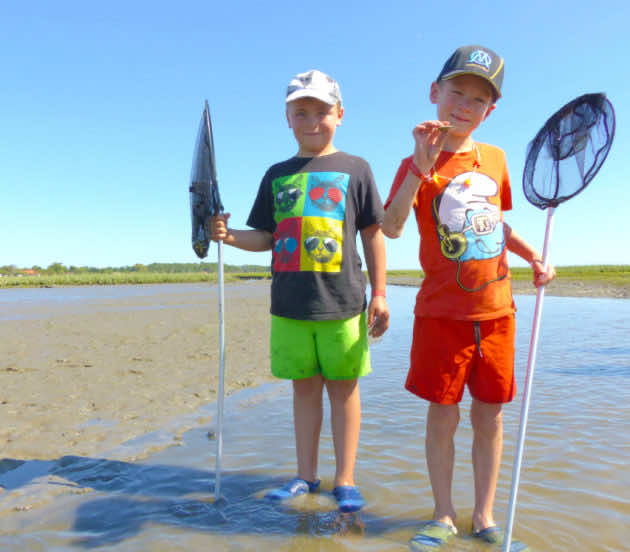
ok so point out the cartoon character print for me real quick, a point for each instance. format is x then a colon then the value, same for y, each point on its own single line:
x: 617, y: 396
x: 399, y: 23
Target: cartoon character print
x: 469, y: 227
x: 322, y: 241
x: 309, y: 214
x: 288, y: 195
x: 326, y: 195
x: 286, y: 245
x: 321, y: 245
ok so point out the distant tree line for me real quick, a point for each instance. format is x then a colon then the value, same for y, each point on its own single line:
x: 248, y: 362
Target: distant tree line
x: 161, y: 268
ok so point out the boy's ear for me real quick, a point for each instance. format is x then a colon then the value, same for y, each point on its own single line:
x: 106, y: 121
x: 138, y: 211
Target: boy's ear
x: 434, y: 92
x: 340, y: 113
x: 489, y: 110
x: 287, y: 115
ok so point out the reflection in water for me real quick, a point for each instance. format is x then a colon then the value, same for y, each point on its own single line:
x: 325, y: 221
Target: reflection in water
x: 574, y: 491
x: 351, y: 522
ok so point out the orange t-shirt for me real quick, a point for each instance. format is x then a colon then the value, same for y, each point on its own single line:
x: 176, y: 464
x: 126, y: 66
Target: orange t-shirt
x: 462, y: 244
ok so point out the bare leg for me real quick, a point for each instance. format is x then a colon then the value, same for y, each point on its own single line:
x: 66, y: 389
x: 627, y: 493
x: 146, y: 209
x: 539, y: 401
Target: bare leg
x: 487, y: 424
x: 307, y: 416
x: 345, y: 415
x: 442, y: 421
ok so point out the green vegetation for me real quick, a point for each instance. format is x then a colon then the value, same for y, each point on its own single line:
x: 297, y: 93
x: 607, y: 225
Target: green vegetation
x: 613, y: 275
x: 156, y: 273
x: 589, y: 272
x: 159, y: 273
x: 616, y: 275
x: 406, y: 273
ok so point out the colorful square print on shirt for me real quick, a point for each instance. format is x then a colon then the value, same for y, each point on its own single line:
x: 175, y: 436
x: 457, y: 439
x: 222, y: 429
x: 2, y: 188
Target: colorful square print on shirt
x: 326, y: 195
x: 289, y: 193
x: 286, y: 245
x: 322, y: 243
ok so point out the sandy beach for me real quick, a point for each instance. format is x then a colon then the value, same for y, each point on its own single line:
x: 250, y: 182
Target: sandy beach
x: 83, y: 381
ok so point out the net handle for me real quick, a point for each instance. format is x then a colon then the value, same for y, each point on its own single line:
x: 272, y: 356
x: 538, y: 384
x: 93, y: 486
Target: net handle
x: 529, y: 378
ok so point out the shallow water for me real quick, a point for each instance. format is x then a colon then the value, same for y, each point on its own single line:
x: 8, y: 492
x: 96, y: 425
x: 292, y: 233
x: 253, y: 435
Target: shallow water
x: 36, y: 303
x: 574, y: 492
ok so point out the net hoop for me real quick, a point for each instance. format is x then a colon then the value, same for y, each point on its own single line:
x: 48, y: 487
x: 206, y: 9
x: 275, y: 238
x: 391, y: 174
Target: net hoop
x: 566, y: 134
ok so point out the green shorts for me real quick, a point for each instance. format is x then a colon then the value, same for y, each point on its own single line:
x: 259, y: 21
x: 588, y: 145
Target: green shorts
x: 336, y: 349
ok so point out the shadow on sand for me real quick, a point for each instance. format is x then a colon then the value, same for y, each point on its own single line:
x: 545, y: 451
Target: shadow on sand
x: 132, y: 495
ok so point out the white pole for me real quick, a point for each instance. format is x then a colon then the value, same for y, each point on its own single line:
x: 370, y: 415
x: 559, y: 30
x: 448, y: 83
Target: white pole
x: 217, y: 486
x: 220, y: 391
x: 529, y: 378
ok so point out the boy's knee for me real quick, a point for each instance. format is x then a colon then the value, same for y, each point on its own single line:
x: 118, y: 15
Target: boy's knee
x: 443, y: 419
x: 341, y: 389
x: 486, y: 417
x: 308, y: 387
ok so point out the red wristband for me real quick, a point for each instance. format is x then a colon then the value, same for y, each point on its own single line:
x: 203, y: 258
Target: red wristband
x: 416, y: 171
x: 378, y: 293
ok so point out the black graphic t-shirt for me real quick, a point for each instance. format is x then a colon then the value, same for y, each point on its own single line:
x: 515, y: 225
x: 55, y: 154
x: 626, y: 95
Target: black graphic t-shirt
x: 314, y: 208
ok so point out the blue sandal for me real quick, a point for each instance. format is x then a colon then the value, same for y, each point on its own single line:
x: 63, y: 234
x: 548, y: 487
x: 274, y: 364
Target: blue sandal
x: 348, y: 498
x: 293, y: 488
x: 431, y: 535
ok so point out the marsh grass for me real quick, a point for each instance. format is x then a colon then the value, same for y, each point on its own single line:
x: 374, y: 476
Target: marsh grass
x: 121, y: 278
x: 615, y: 275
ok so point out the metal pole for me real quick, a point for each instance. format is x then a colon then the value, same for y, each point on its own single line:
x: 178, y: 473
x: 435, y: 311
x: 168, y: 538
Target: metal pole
x: 217, y: 209
x: 529, y: 378
x: 217, y: 486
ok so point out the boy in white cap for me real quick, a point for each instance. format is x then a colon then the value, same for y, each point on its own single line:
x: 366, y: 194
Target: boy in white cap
x: 308, y: 211
x: 464, y: 314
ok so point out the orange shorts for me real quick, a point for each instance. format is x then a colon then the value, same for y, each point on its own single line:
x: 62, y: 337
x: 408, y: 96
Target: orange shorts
x: 448, y: 354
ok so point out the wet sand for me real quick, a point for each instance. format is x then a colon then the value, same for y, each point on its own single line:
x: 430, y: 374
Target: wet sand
x: 83, y: 381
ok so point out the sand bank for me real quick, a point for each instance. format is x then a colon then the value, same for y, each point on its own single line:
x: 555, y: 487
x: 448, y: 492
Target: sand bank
x: 81, y: 381
x: 559, y: 287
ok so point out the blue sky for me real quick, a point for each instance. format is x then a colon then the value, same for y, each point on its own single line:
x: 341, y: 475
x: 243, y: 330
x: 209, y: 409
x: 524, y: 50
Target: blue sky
x: 101, y: 103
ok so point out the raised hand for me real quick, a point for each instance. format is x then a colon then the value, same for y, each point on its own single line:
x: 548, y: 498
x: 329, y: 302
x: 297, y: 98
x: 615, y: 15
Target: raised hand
x: 429, y: 140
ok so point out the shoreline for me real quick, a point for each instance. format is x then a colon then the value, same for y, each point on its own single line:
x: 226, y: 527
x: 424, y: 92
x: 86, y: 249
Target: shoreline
x: 577, y: 281
x: 560, y: 287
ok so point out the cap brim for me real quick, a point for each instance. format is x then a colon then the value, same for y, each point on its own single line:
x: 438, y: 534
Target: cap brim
x: 306, y: 93
x: 476, y: 74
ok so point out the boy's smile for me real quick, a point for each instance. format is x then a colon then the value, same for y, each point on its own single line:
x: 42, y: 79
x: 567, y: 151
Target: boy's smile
x: 465, y: 101
x: 314, y: 124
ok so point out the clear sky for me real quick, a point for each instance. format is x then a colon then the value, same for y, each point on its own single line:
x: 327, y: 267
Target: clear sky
x: 101, y: 102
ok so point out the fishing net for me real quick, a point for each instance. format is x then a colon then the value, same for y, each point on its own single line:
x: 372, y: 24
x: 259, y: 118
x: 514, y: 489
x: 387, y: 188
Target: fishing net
x: 561, y: 160
x: 205, y: 200
x: 568, y: 150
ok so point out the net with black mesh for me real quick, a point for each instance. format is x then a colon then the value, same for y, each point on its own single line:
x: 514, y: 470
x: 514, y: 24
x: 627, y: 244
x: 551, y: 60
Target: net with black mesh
x: 204, y: 190
x: 568, y: 150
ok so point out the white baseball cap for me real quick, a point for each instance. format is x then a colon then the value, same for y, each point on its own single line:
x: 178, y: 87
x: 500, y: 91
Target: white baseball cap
x: 314, y: 84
